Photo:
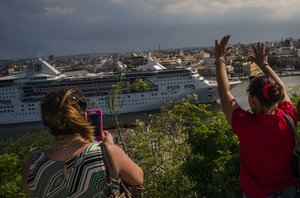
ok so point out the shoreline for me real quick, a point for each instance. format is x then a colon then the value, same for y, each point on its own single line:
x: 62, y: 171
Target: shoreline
x: 245, y: 78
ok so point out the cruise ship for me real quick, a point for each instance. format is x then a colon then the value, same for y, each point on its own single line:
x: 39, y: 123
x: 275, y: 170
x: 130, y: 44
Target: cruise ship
x: 147, y: 88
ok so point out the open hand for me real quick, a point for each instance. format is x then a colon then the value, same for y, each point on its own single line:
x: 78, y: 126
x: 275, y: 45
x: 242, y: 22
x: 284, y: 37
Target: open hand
x: 259, y: 53
x: 222, y: 48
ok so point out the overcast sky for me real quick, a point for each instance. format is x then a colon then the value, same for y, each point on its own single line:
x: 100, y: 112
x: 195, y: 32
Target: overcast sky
x: 35, y: 28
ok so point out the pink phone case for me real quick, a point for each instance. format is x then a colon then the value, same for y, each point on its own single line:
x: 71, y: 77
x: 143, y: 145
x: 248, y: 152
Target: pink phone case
x: 94, y: 116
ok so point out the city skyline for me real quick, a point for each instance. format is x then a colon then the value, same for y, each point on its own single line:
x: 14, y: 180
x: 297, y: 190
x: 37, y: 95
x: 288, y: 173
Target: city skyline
x: 35, y: 28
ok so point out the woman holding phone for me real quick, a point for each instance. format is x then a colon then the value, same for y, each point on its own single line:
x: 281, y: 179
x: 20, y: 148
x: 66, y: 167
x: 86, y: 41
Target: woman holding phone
x: 74, y: 166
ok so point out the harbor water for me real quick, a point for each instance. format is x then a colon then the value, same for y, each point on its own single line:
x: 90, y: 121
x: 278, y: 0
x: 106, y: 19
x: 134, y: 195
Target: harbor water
x: 240, y: 93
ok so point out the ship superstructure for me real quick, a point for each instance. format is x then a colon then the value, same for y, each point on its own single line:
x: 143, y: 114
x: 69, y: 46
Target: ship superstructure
x: 148, y: 88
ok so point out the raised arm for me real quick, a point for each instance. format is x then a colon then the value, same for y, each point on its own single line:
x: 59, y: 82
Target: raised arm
x: 260, y: 57
x: 126, y: 169
x: 228, y: 102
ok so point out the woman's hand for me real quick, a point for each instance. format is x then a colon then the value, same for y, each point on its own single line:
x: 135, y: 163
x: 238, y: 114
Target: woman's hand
x: 107, y: 137
x: 260, y: 53
x: 222, y: 48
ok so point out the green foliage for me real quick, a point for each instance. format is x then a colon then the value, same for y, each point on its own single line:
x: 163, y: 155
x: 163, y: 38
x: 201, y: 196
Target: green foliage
x: 139, y: 85
x: 186, y: 151
x: 160, y: 147
x: 13, y: 154
x: 294, y: 93
x: 10, y: 165
x: 214, y: 161
x: 295, y: 98
x: 27, y: 144
x: 10, y: 178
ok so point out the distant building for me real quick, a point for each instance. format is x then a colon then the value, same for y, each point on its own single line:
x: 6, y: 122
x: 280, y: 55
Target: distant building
x: 201, y: 55
x: 289, y: 42
x: 283, y: 52
x: 10, y: 69
x: 251, y: 69
x: 297, y: 43
x: 298, y: 53
x: 242, y: 69
x: 209, y: 66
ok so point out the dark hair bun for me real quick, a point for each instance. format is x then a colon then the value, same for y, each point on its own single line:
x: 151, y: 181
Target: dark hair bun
x: 274, y: 93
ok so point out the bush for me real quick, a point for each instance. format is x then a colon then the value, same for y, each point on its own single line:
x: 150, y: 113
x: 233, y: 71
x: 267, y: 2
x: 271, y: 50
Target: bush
x: 214, y: 161
x: 13, y: 154
x: 10, y: 178
x: 186, y: 151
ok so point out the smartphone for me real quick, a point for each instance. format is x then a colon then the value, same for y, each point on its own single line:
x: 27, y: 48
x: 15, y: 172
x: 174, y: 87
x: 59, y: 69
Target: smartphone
x: 94, y: 116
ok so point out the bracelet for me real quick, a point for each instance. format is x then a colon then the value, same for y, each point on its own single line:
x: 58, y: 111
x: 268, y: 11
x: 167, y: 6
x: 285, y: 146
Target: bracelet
x: 220, y: 60
x: 265, y: 64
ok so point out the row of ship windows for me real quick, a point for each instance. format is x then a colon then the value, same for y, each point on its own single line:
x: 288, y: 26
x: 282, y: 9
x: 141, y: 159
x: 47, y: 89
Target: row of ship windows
x: 180, y: 76
x: 29, y: 105
x: 11, y: 110
x: 177, y: 79
x: 177, y: 83
x: 164, y: 93
x: 129, y: 102
x: 142, y: 95
x: 30, y: 109
x: 8, y: 89
x: 140, y: 103
x: 6, y: 111
x: 6, y: 107
x: 81, y: 87
x: 108, y: 87
x: 11, y: 96
x: 7, y: 93
x: 134, y: 104
x: 19, y: 114
x: 135, y: 100
x: 154, y: 98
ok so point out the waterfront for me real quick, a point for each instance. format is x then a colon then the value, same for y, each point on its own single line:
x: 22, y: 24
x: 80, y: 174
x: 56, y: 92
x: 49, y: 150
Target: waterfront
x: 240, y: 92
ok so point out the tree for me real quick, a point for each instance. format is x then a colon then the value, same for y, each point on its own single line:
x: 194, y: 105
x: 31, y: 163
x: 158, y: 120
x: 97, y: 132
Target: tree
x: 186, y: 151
x: 114, y: 103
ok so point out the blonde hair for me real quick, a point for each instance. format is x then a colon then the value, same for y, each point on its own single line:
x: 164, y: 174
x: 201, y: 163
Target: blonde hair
x: 63, y: 112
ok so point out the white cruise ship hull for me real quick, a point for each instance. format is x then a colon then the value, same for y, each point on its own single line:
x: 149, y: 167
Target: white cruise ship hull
x: 20, y: 96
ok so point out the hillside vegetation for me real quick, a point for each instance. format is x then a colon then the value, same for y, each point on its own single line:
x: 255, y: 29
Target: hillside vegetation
x: 185, y: 151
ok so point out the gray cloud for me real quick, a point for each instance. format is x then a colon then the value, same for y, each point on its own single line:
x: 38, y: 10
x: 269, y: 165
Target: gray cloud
x: 41, y: 27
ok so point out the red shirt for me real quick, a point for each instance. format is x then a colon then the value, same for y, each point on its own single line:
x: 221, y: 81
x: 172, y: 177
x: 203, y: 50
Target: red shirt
x: 266, y: 150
